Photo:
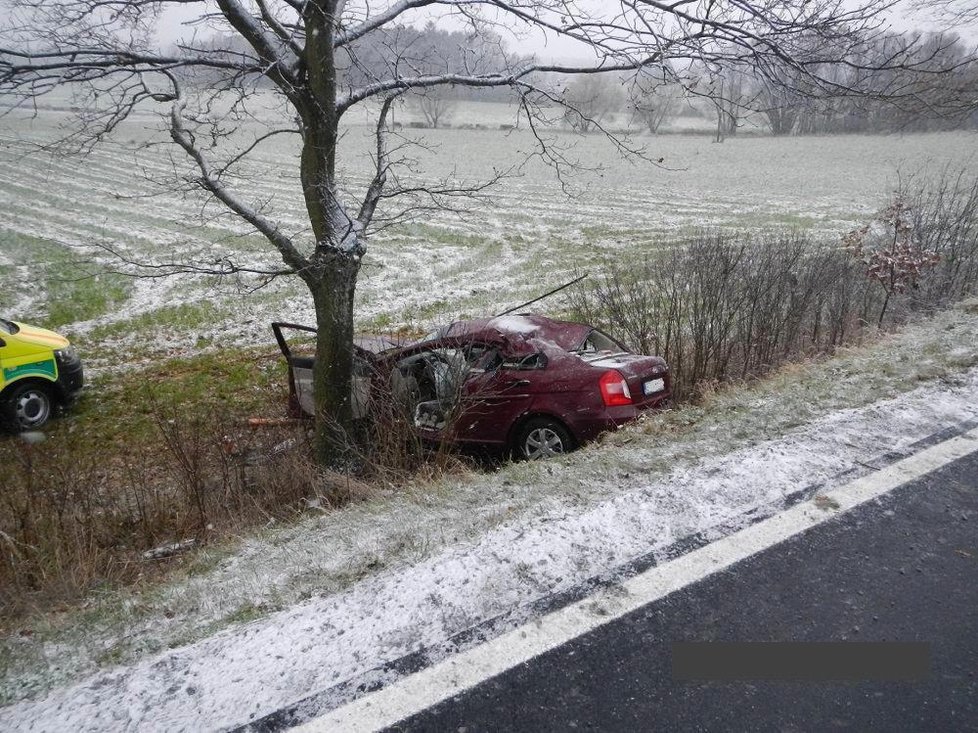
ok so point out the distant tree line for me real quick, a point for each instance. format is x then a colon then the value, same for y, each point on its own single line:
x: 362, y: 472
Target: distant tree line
x: 405, y: 50
x: 938, y: 91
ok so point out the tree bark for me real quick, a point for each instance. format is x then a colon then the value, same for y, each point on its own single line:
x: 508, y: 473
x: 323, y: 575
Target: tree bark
x: 333, y: 288
x: 335, y: 264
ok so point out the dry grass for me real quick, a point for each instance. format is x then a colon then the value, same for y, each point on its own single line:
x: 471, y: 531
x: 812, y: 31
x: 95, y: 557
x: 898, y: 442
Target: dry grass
x: 163, y: 461
x: 76, y: 517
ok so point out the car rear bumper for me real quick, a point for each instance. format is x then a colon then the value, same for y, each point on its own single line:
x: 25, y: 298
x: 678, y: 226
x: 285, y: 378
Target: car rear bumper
x: 612, y: 418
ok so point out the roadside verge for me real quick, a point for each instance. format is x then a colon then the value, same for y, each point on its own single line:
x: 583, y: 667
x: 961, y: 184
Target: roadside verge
x: 586, y: 531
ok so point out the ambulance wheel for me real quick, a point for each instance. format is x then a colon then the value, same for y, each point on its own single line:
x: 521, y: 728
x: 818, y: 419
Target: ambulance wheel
x: 25, y: 407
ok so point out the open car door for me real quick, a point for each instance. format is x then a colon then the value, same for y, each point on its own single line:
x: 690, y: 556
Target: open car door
x: 299, y: 350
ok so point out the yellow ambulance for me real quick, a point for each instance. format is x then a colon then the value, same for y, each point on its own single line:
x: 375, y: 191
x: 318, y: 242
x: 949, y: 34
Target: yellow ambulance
x: 39, y: 372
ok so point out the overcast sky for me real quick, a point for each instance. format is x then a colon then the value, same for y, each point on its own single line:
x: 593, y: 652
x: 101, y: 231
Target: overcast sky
x: 174, y: 25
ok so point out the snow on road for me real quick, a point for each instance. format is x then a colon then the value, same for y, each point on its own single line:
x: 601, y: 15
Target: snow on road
x: 254, y: 669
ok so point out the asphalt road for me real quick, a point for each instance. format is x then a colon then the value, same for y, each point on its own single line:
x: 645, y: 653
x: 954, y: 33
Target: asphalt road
x: 903, y: 568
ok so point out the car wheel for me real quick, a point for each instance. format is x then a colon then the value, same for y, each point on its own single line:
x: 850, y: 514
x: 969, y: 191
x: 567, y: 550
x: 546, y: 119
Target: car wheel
x: 543, y: 437
x: 26, y: 407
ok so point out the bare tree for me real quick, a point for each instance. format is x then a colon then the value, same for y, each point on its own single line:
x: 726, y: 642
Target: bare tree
x: 781, y: 109
x: 781, y: 104
x: 435, y: 106
x: 730, y: 90
x: 589, y: 100
x: 313, y: 55
x: 655, y: 96
x: 951, y: 14
x: 437, y: 51
x: 938, y: 89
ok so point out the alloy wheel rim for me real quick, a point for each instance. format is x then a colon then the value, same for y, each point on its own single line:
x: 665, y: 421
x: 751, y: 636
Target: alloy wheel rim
x: 543, y: 443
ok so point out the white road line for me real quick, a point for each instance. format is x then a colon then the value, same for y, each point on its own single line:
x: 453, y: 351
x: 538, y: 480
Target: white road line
x: 430, y: 686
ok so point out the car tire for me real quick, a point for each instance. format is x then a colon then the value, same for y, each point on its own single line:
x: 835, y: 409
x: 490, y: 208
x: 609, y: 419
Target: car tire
x: 26, y: 407
x: 542, y: 437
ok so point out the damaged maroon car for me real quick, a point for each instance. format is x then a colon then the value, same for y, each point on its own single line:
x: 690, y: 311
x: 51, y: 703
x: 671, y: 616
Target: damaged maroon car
x: 523, y: 383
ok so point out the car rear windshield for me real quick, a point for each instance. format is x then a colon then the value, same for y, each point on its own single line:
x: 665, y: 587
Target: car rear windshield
x: 8, y: 326
x: 596, y: 342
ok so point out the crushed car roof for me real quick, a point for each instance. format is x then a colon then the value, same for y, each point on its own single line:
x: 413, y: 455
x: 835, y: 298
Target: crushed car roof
x: 523, y: 327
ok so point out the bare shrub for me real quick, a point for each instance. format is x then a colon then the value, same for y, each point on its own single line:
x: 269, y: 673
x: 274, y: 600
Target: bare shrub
x: 225, y: 473
x: 944, y: 215
x: 655, y: 97
x: 891, y: 251
x: 80, y: 512
x: 73, y: 517
x: 718, y: 309
x: 589, y: 100
x: 435, y: 106
x: 721, y: 307
x: 387, y: 451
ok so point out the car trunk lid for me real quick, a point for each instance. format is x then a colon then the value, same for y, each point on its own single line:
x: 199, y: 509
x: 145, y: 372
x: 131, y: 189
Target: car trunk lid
x: 647, y: 376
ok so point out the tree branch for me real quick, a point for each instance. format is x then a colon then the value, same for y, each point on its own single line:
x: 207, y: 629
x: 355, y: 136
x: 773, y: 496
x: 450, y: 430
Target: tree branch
x: 482, y: 80
x: 376, y: 187
x: 279, y: 69
x: 211, y: 182
x: 382, y: 19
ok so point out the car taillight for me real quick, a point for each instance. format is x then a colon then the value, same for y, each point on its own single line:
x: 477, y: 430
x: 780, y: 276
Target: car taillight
x: 614, y: 389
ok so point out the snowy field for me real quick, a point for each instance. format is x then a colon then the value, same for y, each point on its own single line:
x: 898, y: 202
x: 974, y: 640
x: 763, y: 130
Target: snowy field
x: 409, y: 570
x: 528, y: 236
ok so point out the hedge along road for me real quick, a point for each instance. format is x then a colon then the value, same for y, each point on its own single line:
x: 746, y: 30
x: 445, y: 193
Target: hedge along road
x: 889, y: 557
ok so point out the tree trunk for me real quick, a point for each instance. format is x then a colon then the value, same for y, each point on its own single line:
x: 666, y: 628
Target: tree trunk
x: 333, y: 269
x: 332, y: 289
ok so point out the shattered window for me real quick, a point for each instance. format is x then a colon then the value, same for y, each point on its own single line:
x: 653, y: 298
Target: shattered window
x: 597, y: 342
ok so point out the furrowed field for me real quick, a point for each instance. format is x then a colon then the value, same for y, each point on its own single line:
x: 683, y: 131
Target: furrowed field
x: 62, y: 213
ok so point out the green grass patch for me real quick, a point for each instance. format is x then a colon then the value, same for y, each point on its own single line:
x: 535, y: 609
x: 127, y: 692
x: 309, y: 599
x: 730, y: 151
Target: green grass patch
x: 438, y: 235
x: 26, y: 249
x: 73, y: 290
x: 76, y: 293
x: 122, y: 411
x: 182, y: 316
x: 597, y: 233
x: 8, y: 288
x: 777, y: 221
x: 377, y: 324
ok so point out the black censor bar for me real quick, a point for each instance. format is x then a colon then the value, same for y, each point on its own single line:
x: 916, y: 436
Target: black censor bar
x: 799, y: 661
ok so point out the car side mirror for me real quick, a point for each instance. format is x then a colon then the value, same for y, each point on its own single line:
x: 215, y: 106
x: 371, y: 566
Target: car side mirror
x: 2, y: 343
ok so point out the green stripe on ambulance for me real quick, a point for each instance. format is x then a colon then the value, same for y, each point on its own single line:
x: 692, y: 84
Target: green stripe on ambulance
x: 46, y: 368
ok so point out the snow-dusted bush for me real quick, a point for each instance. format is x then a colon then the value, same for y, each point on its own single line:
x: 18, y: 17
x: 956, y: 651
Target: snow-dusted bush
x: 943, y: 212
x: 722, y: 307
x: 727, y: 306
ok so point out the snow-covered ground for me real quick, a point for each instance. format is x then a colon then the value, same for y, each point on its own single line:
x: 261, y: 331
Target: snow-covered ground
x: 251, y: 670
